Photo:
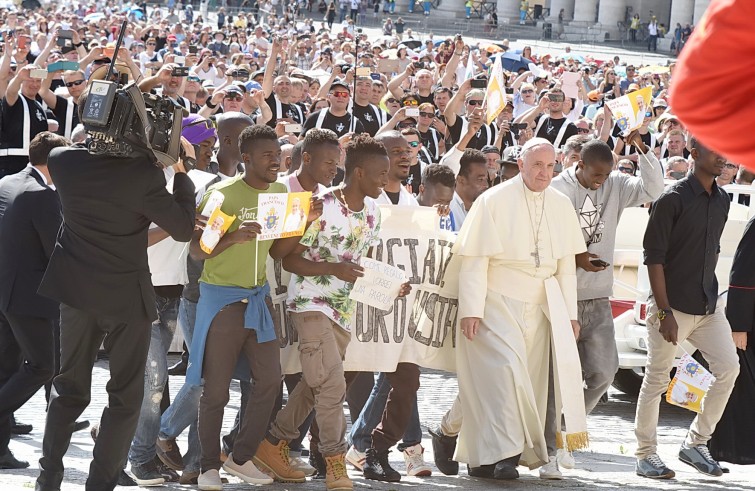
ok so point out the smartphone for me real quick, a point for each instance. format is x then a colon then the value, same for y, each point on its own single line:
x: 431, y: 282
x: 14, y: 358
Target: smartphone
x: 479, y: 83
x: 193, y: 50
x: 62, y: 66
x: 180, y: 71
x: 509, y: 90
x: 518, y: 126
x: 412, y: 112
x: 65, y: 38
x: 375, y: 76
x: 599, y: 263
x: 108, y: 51
x: 179, y: 60
x: 39, y: 73
x: 363, y: 71
x: 418, y: 65
x: 292, y: 128
x: 23, y: 42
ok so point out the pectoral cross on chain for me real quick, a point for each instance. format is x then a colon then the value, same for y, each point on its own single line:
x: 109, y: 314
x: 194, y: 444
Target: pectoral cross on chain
x: 536, y: 255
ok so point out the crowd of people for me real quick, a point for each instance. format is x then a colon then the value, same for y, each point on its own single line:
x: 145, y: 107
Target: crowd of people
x: 93, y: 249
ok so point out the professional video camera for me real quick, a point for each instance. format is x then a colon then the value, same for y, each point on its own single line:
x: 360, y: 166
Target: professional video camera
x: 120, y: 119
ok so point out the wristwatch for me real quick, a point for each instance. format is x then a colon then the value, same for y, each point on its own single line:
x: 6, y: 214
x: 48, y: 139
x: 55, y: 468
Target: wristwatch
x: 663, y: 313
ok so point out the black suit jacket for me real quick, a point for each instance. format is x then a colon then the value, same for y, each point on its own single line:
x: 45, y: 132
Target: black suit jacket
x: 99, y: 264
x: 29, y: 221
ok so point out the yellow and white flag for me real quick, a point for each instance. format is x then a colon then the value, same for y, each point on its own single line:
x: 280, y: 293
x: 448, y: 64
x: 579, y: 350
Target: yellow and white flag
x: 496, y: 93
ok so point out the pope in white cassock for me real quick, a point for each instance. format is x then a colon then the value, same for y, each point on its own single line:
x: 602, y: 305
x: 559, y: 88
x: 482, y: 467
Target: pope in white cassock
x: 517, y: 300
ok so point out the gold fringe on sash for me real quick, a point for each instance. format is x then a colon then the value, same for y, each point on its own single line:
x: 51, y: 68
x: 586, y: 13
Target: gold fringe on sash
x: 574, y: 441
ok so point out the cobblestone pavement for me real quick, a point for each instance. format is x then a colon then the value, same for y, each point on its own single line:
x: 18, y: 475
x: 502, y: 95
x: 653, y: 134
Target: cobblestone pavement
x: 608, y: 464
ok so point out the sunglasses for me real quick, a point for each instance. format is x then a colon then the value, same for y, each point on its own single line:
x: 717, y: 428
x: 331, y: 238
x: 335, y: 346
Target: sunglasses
x: 339, y: 93
x: 414, y: 144
x: 555, y: 98
x: 75, y: 83
x: 474, y: 102
x: 411, y: 102
x: 583, y: 130
x: 391, y: 100
x: 730, y: 166
x: 233, y: 97
x: 207, y: 123
x: 528, y: 91
x: 426, y: 115
x: 626, y: 170
x: 151, y: 44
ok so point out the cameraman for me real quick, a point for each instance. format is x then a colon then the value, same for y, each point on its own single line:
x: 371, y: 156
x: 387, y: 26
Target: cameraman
x: 100, y: 275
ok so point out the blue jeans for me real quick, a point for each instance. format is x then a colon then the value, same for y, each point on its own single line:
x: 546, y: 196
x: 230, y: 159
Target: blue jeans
x: 155, y: 376
x: 184, y: 411
x: 522, y: 15
x: 411, y: 6
x: 393, y: 7
x: 342, y: 15
x: 426, y: 6
x: 361, y: 431
x: 469, y: 11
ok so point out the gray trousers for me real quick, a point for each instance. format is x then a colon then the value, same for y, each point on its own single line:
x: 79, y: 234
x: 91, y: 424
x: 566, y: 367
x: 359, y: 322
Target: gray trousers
x: 597, y: 355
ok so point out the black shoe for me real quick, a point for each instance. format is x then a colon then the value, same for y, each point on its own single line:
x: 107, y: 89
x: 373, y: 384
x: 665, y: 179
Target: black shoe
x: 178, y: 369
x: 125, y: 480
x: 8, y: 461
x: 147, y: 474
x: 81, y: 425
x: 377, y: 468
x: 484, y: 471
x: 168, y: 474
x: 506, y: 469
x: 443, y: 451
x: 19, y: 428
x: 316, y: 461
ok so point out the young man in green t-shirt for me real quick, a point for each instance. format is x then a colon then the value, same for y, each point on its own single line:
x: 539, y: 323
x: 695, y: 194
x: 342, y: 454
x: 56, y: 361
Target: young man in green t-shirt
x: 233, y: 315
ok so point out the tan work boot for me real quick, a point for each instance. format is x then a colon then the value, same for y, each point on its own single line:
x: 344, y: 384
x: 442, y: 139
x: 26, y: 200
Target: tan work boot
x: 336, y: 477
x: 273, y: 460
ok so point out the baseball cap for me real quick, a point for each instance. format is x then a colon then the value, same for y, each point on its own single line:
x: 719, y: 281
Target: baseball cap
x: 593, y: 95
x: 196, y: 129
x: 490, y: 149
x: 511, y: 155
x: 340, y: 83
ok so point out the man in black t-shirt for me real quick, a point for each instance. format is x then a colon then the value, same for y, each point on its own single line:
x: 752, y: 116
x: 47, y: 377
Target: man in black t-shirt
x: 371, y: 116
x: 549, y: 120
x: 65, y: 109
x: 20, y: 110
x: 336, y: 117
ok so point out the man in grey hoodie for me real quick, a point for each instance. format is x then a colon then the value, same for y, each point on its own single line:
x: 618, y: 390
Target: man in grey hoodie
x: 599, y: 196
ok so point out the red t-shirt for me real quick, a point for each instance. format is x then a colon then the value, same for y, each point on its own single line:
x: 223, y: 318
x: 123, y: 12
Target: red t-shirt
x: 713, y: 89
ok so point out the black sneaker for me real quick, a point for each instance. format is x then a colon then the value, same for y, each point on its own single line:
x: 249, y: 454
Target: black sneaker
x: 377, y: 468
x: 506, y: 469
x: 168, y: 474
x: 318, y: 462
x: 147, y: 474
x: 443, y: 451
x: 484, y: 471
x: 125, y: 480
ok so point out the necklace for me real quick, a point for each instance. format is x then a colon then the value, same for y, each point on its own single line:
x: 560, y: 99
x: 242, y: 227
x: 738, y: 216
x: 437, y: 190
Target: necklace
x: 535, y: 231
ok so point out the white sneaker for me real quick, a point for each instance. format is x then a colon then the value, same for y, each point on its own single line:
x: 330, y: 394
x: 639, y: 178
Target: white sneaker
x: 415, y: 463
x: 565, y: 458
x: 210, y: 481
x: 550, y: 470
x: 247, y: 472
x: 356, y: 458
x: 299, y: 464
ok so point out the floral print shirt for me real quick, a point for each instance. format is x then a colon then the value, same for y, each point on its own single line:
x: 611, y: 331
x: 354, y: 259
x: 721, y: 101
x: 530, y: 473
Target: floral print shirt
x: 338, y: 235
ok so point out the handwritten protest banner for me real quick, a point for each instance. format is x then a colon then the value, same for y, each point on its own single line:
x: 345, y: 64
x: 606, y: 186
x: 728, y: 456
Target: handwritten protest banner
x: 418, y: 328
x: 283, y: 214
x: 380, y: 284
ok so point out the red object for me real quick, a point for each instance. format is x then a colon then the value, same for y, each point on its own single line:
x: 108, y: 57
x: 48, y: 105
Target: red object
x: 618, y: 307
x: 712, y: 86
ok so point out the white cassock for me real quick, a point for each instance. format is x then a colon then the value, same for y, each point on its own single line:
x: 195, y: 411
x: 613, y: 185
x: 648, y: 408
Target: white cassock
x: 503, y: 372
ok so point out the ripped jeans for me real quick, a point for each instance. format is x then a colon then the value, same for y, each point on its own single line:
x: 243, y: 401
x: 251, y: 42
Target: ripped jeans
x: 155, y: 376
